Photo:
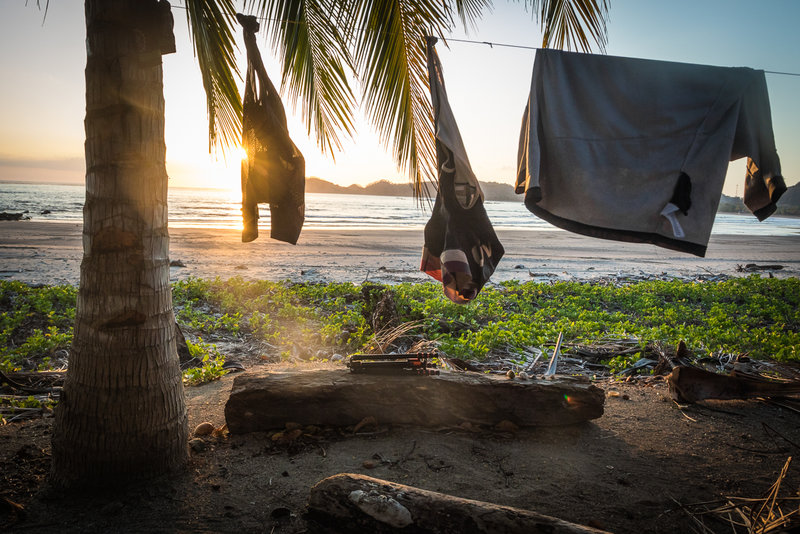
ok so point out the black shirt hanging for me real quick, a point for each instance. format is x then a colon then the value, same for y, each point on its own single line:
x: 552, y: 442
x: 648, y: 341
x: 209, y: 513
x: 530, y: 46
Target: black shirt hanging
x: 274, y: 170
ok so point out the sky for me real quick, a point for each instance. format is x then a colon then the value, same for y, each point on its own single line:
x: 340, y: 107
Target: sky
x: 42, y: 100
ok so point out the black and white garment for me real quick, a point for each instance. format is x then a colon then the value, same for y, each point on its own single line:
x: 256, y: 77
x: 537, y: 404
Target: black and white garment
x: 461, y: 249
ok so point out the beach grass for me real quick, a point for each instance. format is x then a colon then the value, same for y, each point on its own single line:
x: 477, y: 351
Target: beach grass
x: 754, y: 316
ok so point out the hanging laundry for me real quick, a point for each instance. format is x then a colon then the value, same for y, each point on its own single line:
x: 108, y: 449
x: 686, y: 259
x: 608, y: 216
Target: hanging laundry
x: 637, y: 150
x: 274, y: 170
x: 461, y: 249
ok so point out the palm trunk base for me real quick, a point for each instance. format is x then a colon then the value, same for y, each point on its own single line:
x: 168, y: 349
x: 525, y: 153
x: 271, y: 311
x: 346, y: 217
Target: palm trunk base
x: 122, y: 415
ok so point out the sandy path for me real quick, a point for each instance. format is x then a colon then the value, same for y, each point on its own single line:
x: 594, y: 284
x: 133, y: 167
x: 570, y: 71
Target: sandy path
x: 46, y: 252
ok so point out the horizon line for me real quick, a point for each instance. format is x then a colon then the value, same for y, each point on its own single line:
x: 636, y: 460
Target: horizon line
x: 206, y: 188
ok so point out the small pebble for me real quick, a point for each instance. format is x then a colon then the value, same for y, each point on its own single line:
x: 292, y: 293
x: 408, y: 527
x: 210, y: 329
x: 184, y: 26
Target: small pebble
x: 506, y: 426
x: 198, y: 445
x: 368, y: 422
x: 203, y: 429
x: 287, y: 436
x: 469, y: 427
x: 280, y: 513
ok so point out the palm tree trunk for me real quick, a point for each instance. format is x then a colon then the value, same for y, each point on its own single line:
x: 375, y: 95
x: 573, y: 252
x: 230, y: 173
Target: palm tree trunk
x: 122, y: 414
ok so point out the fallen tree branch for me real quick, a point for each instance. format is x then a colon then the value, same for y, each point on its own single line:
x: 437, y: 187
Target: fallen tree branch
x: 690, y: 384
x: 753, y: 267
x: 356, y: 503
x: 22, y: 387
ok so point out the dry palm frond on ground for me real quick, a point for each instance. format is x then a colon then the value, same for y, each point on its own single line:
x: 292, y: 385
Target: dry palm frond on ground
x: 772, y: 513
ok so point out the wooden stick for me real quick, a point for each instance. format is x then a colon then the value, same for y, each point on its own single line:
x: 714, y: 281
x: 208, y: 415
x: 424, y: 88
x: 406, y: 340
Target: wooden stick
x: 357, y: 503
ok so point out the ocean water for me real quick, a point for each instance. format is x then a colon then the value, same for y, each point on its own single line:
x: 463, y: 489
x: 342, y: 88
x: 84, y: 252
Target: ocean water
x: 213, y: 208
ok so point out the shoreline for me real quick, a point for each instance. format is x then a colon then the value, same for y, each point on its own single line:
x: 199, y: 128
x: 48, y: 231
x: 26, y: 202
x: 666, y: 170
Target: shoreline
x: 331, y: 188
x: 50, y: 253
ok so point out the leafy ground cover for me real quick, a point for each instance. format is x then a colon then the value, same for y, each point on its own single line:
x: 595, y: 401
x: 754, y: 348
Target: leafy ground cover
x: 35, y: 325
x: 758, y: 317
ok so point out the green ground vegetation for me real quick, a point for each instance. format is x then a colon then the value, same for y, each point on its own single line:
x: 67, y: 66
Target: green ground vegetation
x: 36, y: 322
x: 211, y: 366
x: 759, y: 317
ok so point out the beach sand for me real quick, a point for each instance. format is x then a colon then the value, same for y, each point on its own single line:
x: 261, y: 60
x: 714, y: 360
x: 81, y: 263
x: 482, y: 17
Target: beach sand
x: 49, y: 252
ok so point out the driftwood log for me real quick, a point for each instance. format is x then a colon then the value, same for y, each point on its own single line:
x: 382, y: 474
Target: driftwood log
x: 13, y: 216
x: 357, y: 503
x: 267, y: 400
x: 691, y: 384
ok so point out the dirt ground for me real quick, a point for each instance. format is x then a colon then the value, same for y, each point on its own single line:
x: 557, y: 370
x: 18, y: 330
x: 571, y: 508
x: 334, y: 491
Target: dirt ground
x: 636, y: 469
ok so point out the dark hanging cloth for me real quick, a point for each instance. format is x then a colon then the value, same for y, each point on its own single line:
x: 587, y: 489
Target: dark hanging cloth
x: 461, y: 249
x: 274, y: 170
x: 638, y: 150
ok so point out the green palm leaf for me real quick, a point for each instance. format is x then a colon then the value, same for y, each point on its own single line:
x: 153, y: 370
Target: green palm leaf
x: 210, y: 26
x: 393, y: 71
x: 469, y: 11
x: 567, y: 22
x: 316, y: 61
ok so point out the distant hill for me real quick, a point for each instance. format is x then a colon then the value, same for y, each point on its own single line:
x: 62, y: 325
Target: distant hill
x: 732, y: 205
x: 791, y: 198
x: 492, y: 190
x: 789, y: 204
x: 381, y: 187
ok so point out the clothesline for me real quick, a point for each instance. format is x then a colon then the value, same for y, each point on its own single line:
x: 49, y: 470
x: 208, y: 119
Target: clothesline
x: 491, y: 44
x: 506, y: 45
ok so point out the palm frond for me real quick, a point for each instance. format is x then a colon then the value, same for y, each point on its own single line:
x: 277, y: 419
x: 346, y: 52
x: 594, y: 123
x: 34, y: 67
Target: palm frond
x: 39, y: 7
x: 316, y: 62
x: 469, y: 11
x: 211, y: 30
x: 392, y: 65
x: 572, y: 24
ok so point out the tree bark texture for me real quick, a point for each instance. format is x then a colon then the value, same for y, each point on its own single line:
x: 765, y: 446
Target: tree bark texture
x: 266, y: 400
x: 122, y: 413
x: 357, y: 503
